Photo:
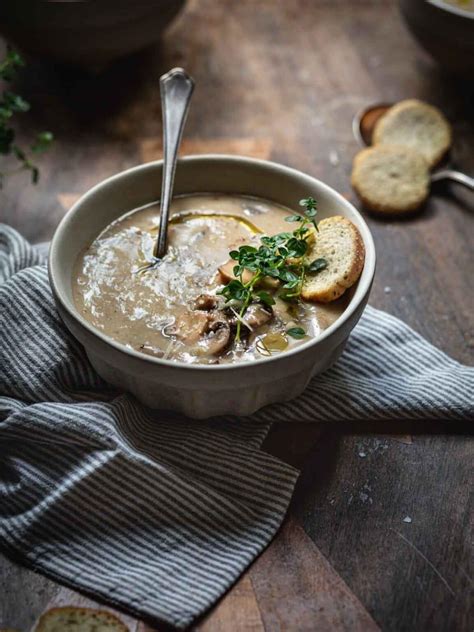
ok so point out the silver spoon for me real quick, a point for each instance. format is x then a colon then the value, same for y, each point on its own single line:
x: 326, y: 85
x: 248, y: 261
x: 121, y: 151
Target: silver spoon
x: 363, y: 126
x: 176, y: 88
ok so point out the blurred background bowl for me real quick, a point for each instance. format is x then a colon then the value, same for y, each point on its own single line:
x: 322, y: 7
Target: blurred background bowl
x: 87, y: 34
x: 446, y: 31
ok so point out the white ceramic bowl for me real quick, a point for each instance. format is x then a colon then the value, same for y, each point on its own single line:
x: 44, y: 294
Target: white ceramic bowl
x: 202, y: 391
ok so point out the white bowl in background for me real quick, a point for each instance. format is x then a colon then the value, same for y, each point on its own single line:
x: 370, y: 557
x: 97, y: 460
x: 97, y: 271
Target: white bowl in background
x: 87, y: 34
x: 445, y: 30
x: 202, y: 391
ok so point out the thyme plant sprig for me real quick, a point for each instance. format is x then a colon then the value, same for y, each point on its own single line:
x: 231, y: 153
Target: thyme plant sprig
x: 11, y: 104
x: 282, y: 257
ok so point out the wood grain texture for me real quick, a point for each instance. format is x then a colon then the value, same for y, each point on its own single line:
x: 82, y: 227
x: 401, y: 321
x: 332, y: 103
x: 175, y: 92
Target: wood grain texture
x: 395, y: 520
x: 238, y: 609
x: 301, y: 589
x: 283, y: 80
x: 152, y: 148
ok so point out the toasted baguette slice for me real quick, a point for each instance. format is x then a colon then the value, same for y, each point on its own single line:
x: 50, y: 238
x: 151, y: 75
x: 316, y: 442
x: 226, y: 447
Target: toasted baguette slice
x: 71, y: 619
x: 390, y: 179
x: 415, y: 125
x: 340, y: 243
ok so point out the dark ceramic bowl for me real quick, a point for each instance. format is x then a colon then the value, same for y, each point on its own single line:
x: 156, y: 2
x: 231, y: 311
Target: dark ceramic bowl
x: 445, y: 31
x: 88, y: 34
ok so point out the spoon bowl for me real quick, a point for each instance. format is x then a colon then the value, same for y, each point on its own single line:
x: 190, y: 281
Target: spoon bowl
x: 364, y: 122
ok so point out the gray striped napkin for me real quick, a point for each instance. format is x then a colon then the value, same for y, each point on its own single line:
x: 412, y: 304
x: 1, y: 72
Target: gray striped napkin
x: 148, y: 511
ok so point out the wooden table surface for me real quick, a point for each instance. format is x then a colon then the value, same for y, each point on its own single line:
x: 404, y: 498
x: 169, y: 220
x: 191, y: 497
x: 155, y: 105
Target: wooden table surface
x: 281, y: 80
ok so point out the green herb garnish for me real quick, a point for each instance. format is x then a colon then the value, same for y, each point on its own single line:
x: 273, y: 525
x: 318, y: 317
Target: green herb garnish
x: 281, y: 257
x: 296, y: 332
x: 11, y: 104
x: 317, y: 265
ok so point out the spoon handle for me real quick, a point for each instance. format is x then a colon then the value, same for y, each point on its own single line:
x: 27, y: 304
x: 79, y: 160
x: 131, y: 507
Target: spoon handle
x: 176, y: 88
x: 454, y: 176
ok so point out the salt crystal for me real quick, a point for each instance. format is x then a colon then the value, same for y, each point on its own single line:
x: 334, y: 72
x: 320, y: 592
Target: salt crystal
x: 407, y: 519
x: 362, y: 455
x: 334, y: 157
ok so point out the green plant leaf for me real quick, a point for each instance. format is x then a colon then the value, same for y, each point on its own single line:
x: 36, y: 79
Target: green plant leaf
x: 7, y: 136
x: 42, y: 143
x: 266, y: 298
x: 309, y: 203
x: 296, y: 332
x: 34, y: 174
x: 15, y: 102
x: 11, y: 104
x: 317, y: 265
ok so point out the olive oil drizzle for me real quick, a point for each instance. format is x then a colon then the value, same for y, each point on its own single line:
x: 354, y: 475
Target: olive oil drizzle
x: 186, y: 216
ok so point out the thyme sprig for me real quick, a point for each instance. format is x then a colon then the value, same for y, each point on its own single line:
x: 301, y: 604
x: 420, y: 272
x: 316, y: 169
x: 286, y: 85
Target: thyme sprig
x: 282, y: 257
x: 11, y: 104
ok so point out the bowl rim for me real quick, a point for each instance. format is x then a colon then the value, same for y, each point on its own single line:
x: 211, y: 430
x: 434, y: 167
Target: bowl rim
x: 365, y: 280
x: 451, y: 8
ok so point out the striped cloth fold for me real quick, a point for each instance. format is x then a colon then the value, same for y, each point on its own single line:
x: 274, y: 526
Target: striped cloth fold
x: 146, y: 510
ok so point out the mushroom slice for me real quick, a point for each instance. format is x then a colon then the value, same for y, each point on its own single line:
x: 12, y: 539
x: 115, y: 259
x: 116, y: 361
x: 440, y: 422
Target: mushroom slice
x: 216, y: 338
x: 206, y: 302
x: 190, y: 326
x: 257, y: 315
x: 226, y: 274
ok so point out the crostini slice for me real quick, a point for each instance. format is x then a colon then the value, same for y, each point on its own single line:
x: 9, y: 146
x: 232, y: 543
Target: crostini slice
x: 390, y: 179
x: 72, y: 619
x: 417, y: 126
x: 340, y: 244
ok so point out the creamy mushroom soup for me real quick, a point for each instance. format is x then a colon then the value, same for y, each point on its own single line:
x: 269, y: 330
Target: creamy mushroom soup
x: 174, y: 310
